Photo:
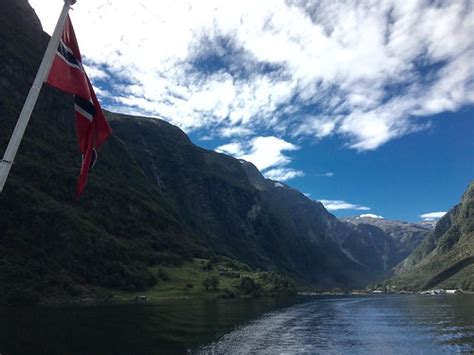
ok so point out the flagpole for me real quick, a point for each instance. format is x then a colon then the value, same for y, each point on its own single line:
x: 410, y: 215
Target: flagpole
x: 15, y: 140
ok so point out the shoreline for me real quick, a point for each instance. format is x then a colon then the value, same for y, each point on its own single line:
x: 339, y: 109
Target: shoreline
x: 213, y: 297
x: 371, y: 293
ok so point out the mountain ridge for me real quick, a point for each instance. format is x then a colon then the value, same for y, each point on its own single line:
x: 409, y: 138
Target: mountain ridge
x: 407, y: 234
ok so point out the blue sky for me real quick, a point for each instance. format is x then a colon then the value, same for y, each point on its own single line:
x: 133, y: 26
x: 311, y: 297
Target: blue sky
x: 366, y: 106
x: 416, y: 174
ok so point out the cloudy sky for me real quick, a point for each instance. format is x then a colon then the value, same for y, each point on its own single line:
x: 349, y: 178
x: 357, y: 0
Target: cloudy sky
x: 367, y: 106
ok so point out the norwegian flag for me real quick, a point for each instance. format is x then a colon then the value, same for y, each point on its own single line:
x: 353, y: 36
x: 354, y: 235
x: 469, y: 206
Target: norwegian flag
x: 67, y: 74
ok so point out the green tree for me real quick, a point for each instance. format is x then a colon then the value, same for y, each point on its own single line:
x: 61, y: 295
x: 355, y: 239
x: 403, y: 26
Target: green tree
x: 211, y: 282
x: 248, y: 285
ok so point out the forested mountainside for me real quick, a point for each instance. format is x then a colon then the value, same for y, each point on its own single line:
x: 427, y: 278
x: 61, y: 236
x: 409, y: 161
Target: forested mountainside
x: 51, y: 244
x: 214, y: 195
x: 445, y: 258
x: 154, y: 198
x: 130, y: 218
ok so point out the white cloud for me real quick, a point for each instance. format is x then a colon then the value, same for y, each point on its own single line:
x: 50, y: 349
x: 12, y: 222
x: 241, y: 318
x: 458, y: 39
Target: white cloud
x: 95, y: 72
x: 336, y: 205
x: 234, y: 132
x: 234, y: 149
x: 328, y: 174
x: 365, y: 71
x: 432, y: 216
x: 370, y: 215
x: 283, y: 174
x: 318, y: 127
x: 267, y: 154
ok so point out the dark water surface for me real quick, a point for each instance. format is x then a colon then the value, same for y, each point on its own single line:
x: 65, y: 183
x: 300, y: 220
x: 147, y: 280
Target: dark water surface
x: 409, y: 324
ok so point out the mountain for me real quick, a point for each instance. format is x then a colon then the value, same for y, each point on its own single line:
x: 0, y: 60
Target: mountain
x: 310, y: 221
x: 234, y: 210
x: 373, y: 250
x: 445, y: 258
x: 385, y: 242
x: 51, y: 244
x: 408, y: 235
x: 371, y: 246
x: 154, y: 198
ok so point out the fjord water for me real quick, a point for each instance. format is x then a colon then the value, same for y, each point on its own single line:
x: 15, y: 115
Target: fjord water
x: 352, y: 324
x: 377, y: 325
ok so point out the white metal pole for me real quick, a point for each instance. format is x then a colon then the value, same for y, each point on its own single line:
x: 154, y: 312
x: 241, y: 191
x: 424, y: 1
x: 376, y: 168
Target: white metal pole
x: 43, y: 71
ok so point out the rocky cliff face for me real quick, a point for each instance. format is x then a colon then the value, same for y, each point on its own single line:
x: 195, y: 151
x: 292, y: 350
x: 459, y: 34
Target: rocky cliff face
x: 409, y: 235
x: 373, y: 250
x: 385, y: 243
x: 446, y: 256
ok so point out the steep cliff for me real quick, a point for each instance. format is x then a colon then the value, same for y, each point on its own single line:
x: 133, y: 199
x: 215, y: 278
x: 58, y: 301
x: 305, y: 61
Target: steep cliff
x: 446, y: 256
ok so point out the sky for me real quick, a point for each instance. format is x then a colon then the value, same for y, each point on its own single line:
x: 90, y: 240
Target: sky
x: 366, y: 106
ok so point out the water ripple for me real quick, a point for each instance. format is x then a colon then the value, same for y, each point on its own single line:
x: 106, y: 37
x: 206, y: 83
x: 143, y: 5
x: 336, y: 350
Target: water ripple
x: 388, y: 325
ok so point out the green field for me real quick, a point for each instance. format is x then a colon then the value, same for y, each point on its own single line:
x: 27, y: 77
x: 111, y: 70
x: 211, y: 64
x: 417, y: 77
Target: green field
x: 186, y: 281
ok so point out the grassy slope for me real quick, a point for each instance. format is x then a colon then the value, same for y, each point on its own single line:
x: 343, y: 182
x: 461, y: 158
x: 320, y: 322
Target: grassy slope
x: 175, y: 288
x: 463, y: 279
x: 195, y: 272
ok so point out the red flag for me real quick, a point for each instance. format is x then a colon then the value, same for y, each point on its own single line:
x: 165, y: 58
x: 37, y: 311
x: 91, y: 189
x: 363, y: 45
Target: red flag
x: 67, y: 74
